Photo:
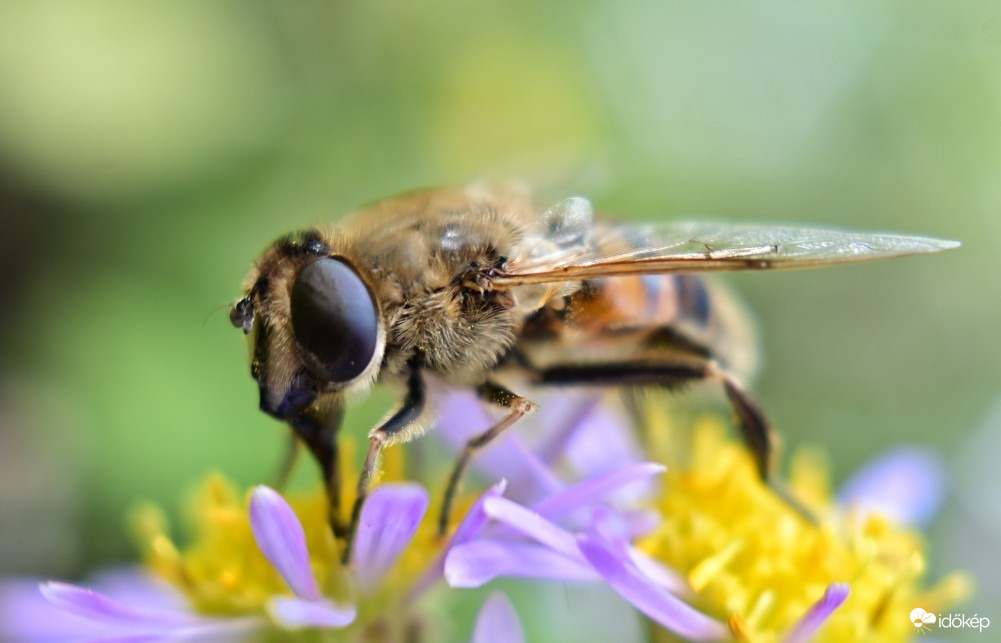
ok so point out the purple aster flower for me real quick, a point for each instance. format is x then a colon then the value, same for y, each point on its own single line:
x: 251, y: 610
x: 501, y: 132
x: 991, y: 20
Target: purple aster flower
x: 388, y: 523
x: 527, y: 543
x: 140, y: 607
x: 601, y: 553
x: 548, y: 540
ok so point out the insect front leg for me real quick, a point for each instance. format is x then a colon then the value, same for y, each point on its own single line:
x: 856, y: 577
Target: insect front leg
x: 292, y: 447
x: 409, y: 412
x: 317, y: 426
x: 495, y: 394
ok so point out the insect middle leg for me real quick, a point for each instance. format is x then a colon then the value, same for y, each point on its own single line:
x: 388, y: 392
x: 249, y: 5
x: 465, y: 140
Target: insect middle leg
x: 754, y: 427
x: 406, y: 416
x: 496, y: 394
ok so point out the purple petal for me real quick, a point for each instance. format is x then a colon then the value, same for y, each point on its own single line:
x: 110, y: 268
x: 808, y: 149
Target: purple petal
x: 583, y: 494
x: 566, y: 413
x: 280, y: 536
x: 611, y: 528
x: 646, y: 595
x: 658, y: 573
x: 604, y: 442
x: 388, y: 522
x: 95, y: 606
x: 640, y: 522
x: 471, y: 525
x: 463, y: 417
x: 476, y: 517
x: 833, y: 597
x: 140, y: 587
x: 132, y: 592
x: 498, y: 622
x: 229, y: 629
x: 906, y: 485
x: 61, y: 612
x: 294, y: 613
x: 26, y: 616
x: 532, y: 525
x: 479, y: 562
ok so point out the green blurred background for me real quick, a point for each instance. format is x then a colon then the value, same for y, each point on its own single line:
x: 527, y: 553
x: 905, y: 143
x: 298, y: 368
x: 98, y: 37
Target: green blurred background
x: 149, y: 151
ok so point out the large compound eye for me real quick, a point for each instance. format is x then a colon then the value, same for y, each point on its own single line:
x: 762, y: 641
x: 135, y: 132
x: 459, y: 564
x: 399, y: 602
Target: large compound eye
x: 334, y: 319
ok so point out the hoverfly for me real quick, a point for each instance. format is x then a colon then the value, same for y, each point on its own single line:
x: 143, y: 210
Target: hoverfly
x: 461, y: 285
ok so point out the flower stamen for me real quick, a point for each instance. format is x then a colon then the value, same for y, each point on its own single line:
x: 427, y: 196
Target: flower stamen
x: 711, y: 566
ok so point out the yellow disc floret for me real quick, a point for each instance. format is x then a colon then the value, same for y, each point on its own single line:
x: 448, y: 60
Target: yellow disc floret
x: 222, y: 569
x: 755, y: 561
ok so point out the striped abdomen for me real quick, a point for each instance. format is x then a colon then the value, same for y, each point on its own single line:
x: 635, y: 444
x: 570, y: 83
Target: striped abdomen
x: 627, y: 318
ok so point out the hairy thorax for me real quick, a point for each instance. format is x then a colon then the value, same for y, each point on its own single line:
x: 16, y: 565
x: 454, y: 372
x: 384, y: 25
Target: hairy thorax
x: 418, y: 261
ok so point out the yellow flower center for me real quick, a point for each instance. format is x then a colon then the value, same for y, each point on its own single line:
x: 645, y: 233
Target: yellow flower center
x: 223, y: 571
x: 757, y: 563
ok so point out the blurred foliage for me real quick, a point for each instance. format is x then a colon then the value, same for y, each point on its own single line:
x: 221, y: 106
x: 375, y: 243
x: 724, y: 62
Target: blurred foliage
x: 149, y: 151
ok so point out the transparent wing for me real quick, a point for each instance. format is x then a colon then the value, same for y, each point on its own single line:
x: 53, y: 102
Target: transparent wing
x: 575, y: 248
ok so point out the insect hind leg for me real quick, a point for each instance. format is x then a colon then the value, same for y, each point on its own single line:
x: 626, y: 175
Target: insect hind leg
x: 674, y: 372
x: 761, y: 441
x: 754, y: 426
x: 677, y: 371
